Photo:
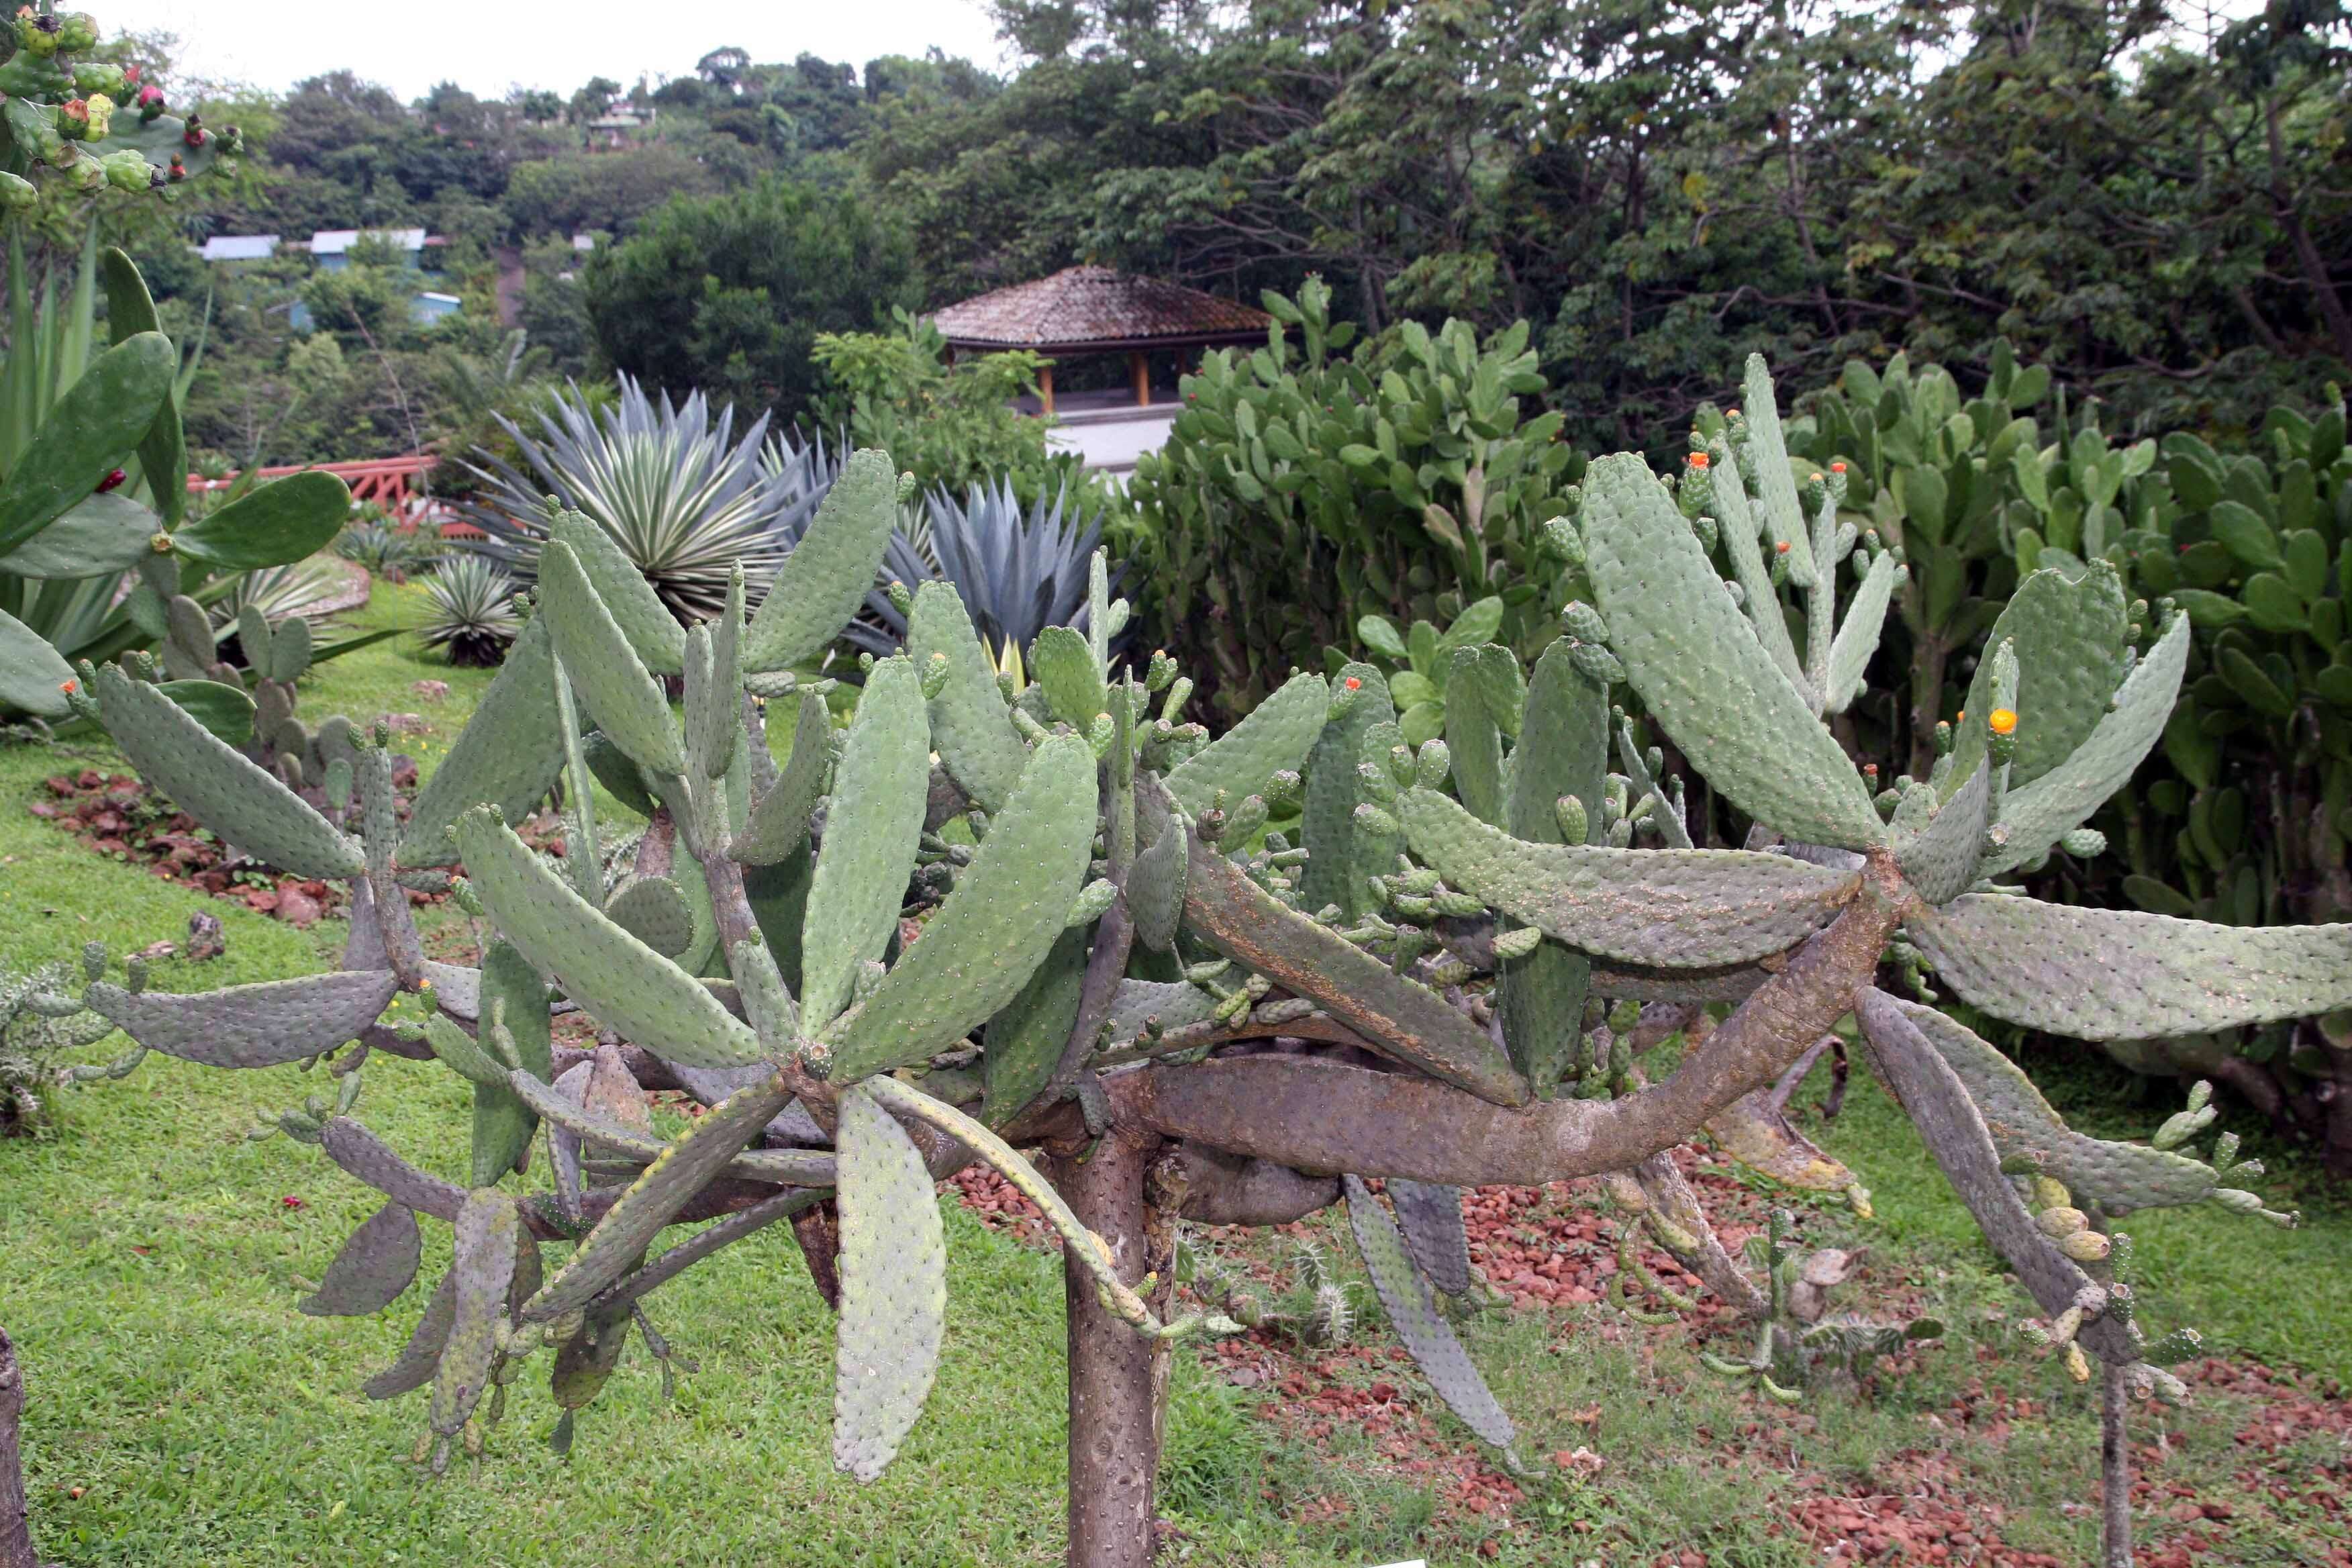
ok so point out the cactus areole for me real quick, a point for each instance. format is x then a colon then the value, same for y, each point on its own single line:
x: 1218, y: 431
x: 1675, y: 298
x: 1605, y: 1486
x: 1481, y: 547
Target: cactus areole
x: 1165, y: 978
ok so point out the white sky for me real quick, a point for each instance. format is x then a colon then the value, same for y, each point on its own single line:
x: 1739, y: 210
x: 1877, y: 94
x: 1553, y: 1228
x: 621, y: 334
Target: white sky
x: 491, y: 45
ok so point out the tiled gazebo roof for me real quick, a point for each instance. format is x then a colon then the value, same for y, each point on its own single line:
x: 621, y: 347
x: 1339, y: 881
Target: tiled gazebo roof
x: 1096, y: 308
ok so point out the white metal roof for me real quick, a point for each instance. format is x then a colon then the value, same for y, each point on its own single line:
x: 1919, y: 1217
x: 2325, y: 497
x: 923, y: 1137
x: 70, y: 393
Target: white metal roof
x: 441, y: 299
x: 239, y: 247
x: 583, y: 242
x: 336, y: 241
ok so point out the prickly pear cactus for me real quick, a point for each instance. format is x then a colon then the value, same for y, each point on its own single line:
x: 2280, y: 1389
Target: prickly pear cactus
x: 982, y: 918
x: 70, y: 508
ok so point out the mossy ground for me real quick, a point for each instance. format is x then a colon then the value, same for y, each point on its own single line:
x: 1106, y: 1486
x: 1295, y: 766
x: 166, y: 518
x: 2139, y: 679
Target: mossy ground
x: 184, y: 1412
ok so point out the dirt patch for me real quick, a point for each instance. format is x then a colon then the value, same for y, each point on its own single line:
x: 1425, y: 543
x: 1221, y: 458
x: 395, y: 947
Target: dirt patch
x: 1362, y: 1406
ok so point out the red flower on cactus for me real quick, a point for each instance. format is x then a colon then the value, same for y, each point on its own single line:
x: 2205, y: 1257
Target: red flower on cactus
x: 130, y: 75
x: 1698, y: 459
x: 1781, y: 548
x: 1354, y: 683
x: 149, y: 94
x: 68, y: 687
x: 112, y: 480
x: 1837, y: 467
x: 76, y: 110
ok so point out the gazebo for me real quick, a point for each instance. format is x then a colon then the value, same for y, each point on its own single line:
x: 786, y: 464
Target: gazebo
x: 1095, y: 310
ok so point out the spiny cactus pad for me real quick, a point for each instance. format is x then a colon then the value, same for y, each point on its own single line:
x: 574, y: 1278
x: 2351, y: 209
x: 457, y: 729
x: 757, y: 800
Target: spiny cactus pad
x: 1329, y: 824
x: 1277, y: 734
x: 1939, y: 1104
x: 413, y: 1368
x: 627, y: 597
x: 1474, y: 739
x: 683, y: 1169
x: 2069, y: 639
x: 2118, y: 1177
x: 624, y: 698
x: 508, y: 754
x: 374, y: 1266
x: 1063, y: 662
x: 1563, y: 751
x: 483, y: 1263
x: 1155, y: 882
x: 1759, y: 599
x: 213, y: 783
x: 871, y: 829
x: 1668, y: 908
x: 994, y: 929
x: 1700, y: 670
x: 968, y: 723
x: 259, y: 1025
x: 1247, y: 924
x: 830, y: 571
x: 894, y: 1288
x: 1768, y: 462
x: 629, y: 985
x: 1857, y: 635
x: 1430, y: 1218
x: 1026, y: 1039
x: 1404, y: 1296
x: 2119, y: 975
x: 1939, y: 858
x: 778, y: 823
x: 2034, y: 816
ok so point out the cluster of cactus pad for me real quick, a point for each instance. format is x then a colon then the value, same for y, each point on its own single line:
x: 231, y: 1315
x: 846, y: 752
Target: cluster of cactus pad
x: 1273, y: 946
x: 89, y: 123
x: 71, y: 513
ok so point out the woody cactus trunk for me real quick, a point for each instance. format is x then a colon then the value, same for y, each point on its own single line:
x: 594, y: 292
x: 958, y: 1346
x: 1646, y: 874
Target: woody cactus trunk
x: 1207, y: 980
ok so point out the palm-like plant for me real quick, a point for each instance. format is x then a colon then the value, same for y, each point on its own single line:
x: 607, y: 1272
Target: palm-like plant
x: 470, y: 610
x: 1018, y: 570
x: 671, y: 483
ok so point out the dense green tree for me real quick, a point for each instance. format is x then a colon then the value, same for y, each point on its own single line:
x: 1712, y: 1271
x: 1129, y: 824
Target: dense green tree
x: 727, y: 293
x: 609, y: 190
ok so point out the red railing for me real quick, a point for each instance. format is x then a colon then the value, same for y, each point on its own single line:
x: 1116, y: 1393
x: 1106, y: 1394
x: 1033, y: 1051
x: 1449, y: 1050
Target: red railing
x: 384, y: 481
x: 392, y: 483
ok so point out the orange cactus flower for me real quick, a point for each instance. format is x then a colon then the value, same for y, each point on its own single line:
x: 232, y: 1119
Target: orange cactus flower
x: 1353, y: 682
x: 1781, y: 548
x: 2004, y: 721
x: 1837, y: 467
x: 68, y: 687
x: 1698, y: 459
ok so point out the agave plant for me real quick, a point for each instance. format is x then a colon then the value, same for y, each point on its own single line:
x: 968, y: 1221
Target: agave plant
x: 471, y: 610
x: 389, y: 553
x: 1018, y: 570
x: 670, y: 483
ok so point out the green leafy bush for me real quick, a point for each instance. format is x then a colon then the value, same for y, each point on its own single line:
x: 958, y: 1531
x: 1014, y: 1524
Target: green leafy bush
x: 1302, y: 491
x: 952, y: 426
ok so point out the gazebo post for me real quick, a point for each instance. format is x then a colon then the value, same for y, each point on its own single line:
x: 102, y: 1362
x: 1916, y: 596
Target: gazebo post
x: 1139, y: 369
x: 1045, y: 386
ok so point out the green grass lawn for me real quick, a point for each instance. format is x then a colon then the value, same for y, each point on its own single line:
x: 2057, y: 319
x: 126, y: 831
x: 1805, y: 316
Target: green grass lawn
x: 153, y: 1261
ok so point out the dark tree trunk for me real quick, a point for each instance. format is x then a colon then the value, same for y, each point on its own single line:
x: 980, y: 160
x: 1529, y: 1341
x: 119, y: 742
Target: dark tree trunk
x: 1115, y: 1376
x: 1928, y: 660
x: 15, y: 1528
